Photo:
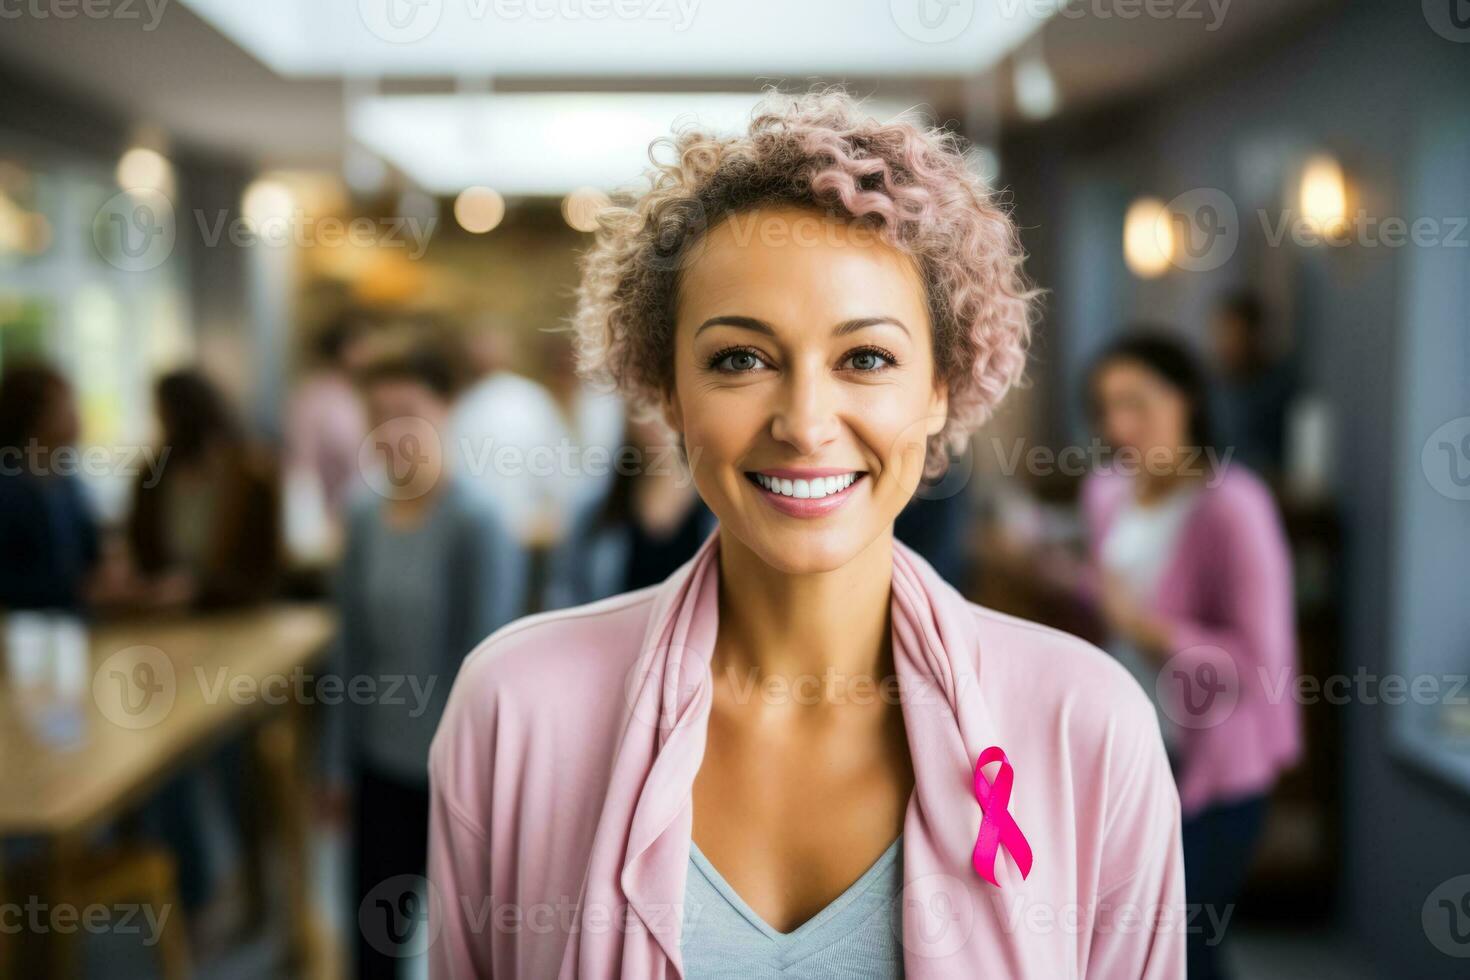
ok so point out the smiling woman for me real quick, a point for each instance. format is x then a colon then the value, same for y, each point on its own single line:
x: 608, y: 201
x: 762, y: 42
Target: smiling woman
x: 797, y: 385
x: 804, y: 753
x: 845, y: 185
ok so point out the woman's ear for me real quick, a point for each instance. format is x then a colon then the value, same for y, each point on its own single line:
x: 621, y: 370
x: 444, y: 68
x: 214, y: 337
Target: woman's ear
x: 938, y: 408
x: 672, y: 412
x: 673, y: 416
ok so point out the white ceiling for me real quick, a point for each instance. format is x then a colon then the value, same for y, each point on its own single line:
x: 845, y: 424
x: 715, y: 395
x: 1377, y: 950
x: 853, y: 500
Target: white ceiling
x: 572, y: 38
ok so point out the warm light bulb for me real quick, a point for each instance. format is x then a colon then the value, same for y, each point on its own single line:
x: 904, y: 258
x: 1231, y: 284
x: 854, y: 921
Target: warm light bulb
x: 266, y: 200
x: 142, y: 169
x: 478, y: 209
x: 1148, y: 238
x: 581, y: 207
x: 1323, y: 194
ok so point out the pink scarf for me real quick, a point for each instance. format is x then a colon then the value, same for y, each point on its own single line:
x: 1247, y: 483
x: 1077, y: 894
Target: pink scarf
x: 641, y: 846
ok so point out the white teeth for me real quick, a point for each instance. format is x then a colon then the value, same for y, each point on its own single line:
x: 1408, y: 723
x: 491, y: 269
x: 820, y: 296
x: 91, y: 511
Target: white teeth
x: 807, y: 489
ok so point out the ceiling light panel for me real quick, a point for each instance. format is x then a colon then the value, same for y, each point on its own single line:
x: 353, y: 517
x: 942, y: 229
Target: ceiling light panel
x: 580, y: 38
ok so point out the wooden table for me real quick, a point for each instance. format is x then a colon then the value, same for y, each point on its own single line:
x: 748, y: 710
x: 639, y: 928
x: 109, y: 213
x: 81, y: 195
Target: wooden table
x: 164, y: 690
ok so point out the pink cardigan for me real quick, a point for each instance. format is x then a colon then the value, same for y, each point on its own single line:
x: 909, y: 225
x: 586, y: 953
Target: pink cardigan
x: 1226, y: 596
x: 562, y: 774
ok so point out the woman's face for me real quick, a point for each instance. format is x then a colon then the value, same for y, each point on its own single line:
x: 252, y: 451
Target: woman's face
x: 1139, y: 412
x: 803, y: 351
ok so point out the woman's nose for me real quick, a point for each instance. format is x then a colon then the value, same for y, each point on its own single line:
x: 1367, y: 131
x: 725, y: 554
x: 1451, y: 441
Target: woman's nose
x: 805, y: 416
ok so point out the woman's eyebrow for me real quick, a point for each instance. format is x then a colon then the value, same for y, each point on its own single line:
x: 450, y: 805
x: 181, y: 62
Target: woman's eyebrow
x: 760, y: 326
x: 743, y: 322
x: 848, y: 326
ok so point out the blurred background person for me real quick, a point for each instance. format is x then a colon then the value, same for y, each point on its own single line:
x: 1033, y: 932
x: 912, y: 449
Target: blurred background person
x: 591, y: 428
x: 207, y: 532
x: 325, y: 425
x: 204, y: 534
x: 1256, y: 383
x: 500, y: 426
x: 1191, y: 573
x: 48, y: 533
x: 651, y: 522
x: 429, y: 570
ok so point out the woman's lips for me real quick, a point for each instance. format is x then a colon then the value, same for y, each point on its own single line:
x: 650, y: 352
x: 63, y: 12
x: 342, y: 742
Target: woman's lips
x: 806, y: 506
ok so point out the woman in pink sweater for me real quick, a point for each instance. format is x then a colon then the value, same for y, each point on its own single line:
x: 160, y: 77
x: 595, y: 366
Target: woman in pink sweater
x: 805, y: 715
x: 1191, y: 570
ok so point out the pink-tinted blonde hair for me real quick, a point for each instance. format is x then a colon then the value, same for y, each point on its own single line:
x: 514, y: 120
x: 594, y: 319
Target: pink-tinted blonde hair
x: 911, y: 184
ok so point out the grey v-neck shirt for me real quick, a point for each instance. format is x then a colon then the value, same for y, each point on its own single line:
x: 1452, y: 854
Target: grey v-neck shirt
x: 856, y: 936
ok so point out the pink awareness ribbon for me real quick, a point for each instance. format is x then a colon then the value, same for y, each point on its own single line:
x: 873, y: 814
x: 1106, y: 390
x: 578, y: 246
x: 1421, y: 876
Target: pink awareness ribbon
x: 997, y: 826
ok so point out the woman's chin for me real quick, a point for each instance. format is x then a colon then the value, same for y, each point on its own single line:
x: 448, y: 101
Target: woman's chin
x: 806, y: 550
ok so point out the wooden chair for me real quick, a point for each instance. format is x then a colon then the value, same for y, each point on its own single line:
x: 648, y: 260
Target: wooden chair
x: 113, y: 875
x: 143, y: 873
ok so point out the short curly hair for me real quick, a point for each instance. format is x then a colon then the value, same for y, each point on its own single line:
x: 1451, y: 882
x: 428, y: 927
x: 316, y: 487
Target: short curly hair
x: 915, y: 186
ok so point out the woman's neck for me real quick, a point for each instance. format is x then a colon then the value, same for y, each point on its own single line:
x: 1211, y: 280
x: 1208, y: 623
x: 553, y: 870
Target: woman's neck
x: 806, y: 625
x: 1153, y: 488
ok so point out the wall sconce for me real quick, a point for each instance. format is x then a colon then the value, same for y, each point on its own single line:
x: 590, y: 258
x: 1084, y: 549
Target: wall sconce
x: 1148, y: 238
x: 1322, y: 196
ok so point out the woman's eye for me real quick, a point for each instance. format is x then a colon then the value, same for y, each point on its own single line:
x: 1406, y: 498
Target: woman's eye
x: 737, y: 362
x: 869, y: 360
